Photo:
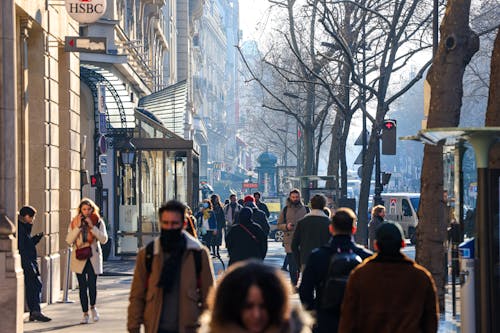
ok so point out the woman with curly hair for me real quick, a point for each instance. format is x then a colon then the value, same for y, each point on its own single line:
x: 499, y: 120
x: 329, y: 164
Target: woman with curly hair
x: 85, y: 234
x: 253, y: 298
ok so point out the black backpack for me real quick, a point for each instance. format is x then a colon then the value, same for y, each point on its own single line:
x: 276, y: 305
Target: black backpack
x: 332, y: 289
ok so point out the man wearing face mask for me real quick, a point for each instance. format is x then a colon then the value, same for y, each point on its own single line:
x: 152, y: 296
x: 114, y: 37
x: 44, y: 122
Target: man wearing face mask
x: 159, y: 299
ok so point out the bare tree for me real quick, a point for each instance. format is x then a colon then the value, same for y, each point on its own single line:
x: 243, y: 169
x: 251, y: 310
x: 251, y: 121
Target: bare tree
x: 457, y: 45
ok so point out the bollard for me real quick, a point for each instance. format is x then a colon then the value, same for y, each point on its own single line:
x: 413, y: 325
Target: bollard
x: 467, y: 291
x: 66, y: 279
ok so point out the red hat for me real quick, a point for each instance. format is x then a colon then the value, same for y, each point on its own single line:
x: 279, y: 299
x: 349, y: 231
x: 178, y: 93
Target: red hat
x: 249, y: 198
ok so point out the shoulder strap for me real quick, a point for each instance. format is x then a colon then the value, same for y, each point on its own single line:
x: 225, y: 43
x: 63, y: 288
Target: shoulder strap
x: 284, y: 214
x: 197, y: 268
x: 149, y: 257
x: 307, y: 209
x: 249, y: 232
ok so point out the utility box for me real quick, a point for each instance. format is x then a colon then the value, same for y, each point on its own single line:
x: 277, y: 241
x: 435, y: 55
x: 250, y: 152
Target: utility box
x: 467, y: 295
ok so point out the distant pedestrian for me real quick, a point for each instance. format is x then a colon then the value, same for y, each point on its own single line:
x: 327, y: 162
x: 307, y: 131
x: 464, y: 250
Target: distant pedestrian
x: 240, y: 202
x: 172, y: 277
x: 389, y: 292
x: 262, y: 206
x: 231, y: 210
x: 253, y: 298
x: 311, y: 231
x: 246, y: 239
x: 221, y: 222
x: 86, y: 233
x: 378, y: 215
x: 208, y: 224
x: 325, y: 275
x: 27, y: 249
x: 191, y: 223
x: 293, y: 211
x: 258, y: 216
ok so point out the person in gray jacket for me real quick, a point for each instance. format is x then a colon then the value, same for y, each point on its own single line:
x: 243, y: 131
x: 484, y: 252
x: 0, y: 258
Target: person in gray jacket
x: 289, y: 216
x: 311, y: 231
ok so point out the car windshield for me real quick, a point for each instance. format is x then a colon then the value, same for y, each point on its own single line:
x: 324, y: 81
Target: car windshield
x: 414, y: 203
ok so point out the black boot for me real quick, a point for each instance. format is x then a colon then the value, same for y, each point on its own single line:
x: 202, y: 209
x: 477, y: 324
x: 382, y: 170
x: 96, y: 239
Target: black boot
x: 38, y: 316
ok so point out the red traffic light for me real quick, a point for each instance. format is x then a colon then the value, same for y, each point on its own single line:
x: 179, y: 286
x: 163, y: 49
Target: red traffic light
x: 95, y: 180
x: 389, y: 124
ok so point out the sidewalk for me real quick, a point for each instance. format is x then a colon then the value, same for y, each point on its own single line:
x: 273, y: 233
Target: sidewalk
x: 112, y: 300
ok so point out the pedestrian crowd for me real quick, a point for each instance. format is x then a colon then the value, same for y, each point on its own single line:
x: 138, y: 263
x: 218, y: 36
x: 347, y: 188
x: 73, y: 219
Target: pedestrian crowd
x: 343, y: 286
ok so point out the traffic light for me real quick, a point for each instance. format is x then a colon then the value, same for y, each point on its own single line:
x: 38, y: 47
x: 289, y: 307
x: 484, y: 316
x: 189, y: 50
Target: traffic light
x: 96, y: 180
x: 389, y: 137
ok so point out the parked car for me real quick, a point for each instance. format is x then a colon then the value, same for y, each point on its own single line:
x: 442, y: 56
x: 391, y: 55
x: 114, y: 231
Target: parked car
x: 402, y: 208
x: 274, y: 233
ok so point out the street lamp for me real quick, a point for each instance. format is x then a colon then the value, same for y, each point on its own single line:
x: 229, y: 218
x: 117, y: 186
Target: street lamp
x: 127, y: 154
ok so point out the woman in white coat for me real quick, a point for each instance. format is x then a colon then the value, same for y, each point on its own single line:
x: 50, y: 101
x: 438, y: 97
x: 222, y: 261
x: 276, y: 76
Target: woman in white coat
x: 86, y: 232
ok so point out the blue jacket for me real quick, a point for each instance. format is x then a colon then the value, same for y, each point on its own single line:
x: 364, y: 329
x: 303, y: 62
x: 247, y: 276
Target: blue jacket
x: 315, y: 273
x: 212, y: 220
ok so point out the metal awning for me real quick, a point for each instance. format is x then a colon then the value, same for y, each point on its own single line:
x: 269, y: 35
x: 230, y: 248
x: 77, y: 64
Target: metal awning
x: 169, y: 105
x: 119, y: 106
x: 450, y: 135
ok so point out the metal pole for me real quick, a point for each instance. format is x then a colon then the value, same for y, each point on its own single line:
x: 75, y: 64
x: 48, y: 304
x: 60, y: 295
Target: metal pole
x: 363, y: 91
x: 66, y: 278
x: 377, y: 198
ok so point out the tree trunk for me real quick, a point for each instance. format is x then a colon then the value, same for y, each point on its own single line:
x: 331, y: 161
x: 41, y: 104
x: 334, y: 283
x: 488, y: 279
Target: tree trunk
x: 342, y: 155
x: 493, y: 111
x: 457, y: 46
x: 333, y: 158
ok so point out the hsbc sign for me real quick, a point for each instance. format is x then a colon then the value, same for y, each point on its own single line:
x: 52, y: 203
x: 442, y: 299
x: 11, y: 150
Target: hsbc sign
x: 86, y: 11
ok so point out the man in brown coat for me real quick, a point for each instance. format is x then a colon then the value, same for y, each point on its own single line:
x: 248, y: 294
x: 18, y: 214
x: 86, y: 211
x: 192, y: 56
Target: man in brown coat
x: 289, y: 216
x: 160, y: 299
x: 389, y: 292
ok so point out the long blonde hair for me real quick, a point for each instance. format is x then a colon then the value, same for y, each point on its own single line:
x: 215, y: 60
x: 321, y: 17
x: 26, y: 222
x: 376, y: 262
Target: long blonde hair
x: 88, y: 202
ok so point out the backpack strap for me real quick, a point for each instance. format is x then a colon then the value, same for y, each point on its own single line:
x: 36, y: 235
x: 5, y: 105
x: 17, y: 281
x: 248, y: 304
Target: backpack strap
x: 249, y: 232
x: 149, y: 261
x: 307, y: 209
x: 284, y: 214
x: 197, y: 267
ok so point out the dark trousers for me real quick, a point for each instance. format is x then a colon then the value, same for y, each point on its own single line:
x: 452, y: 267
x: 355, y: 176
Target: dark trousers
x: 292, y: 269
x: 87, y: 281
x: 33, y: 288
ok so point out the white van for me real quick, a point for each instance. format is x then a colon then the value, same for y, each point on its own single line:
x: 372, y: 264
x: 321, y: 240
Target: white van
x: 402, y: 208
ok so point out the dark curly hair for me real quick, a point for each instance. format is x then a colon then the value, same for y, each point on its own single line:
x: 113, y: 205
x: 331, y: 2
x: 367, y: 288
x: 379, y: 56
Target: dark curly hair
x: 228, y: 299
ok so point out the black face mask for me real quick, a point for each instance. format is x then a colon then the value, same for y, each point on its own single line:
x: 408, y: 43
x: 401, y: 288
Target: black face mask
x: 170, y: 239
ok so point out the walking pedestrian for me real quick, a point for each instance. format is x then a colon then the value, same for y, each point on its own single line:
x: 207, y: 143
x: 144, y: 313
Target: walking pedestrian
x: 253, y: 298
x: 311, y: 231
x: 191, y: 223
x: 27, y: 249
x: 291, y: 213
x: 246, y: 239
x: 221, y: 222
x: 330, y: 263
x: 258, y: 216
x: 160, y: 299
x: 208, y: 224
x: 378, y: 215
x: 86, y: 233
x: 231, y: 210
x: 262, y: 206
x: 389, y: 292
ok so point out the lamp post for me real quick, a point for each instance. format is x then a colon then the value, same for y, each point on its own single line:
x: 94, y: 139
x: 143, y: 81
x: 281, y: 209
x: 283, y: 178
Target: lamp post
x: 127, y: 154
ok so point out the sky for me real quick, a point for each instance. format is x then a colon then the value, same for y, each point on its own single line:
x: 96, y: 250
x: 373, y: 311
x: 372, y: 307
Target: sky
x: 253, y: 14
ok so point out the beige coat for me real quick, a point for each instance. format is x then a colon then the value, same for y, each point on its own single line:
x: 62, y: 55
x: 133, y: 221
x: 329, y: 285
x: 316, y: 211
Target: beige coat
x: 145, y: 307
x: 293, y: 215
x: 74, y: 239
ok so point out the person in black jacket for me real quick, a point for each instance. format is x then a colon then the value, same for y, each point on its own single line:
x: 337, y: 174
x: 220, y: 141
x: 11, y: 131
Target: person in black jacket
x: 221, y: 222
x: 246, y: 239
x: 378, y: 215
x: 262, y: 206
x: 258, y: 216
x: 27, y: 249
x: 342, y: 228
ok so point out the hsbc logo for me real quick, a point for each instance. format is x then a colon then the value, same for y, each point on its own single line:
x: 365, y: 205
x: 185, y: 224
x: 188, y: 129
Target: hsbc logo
x: 86, y: 11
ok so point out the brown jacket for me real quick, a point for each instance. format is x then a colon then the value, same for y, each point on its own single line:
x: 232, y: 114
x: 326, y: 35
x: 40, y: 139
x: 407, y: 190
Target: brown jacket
x: 146, y: 307
x: 293, y: 215
x: 389, y: 294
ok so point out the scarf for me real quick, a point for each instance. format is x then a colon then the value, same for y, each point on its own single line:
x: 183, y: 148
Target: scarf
x: 171, y: 264
x: 85, y: 238
x: 206, y: 213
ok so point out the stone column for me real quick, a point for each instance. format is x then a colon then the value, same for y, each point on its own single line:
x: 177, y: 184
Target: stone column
x: 11, y: 274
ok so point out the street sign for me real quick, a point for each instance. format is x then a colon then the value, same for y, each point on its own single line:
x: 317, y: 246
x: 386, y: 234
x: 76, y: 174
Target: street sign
x: 103, y: 159
x: 250, y: 185
x: 85, y: 44
x: 359, y: 140
x: 101, y: 98
x: 359, y: 159
x: 102, y: 124
x: 86, y: 11
x: 103, y: 145
x: 103, y: 169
